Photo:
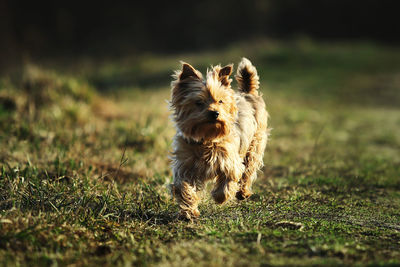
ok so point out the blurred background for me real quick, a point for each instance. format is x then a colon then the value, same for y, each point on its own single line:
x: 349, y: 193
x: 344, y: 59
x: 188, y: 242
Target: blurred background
x: 85, y: 131
x: 37, y: 29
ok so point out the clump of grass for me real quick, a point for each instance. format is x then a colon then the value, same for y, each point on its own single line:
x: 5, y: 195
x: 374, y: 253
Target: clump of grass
x: 46, y: 87
x: 38, y: 93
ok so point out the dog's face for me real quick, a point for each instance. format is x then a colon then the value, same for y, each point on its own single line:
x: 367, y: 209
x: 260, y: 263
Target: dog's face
x: 203, y: 109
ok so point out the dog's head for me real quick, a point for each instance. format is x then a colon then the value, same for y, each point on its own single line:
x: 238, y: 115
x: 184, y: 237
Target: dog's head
x: 203, y: 109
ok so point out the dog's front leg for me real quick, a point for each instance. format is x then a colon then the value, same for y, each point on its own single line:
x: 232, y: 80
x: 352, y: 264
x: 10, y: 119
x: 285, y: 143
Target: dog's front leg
x: 227, y: 181
x: 186, y: 193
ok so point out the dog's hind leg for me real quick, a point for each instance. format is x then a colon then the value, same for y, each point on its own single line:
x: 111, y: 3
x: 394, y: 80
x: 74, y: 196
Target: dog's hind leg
x: 253, y: 162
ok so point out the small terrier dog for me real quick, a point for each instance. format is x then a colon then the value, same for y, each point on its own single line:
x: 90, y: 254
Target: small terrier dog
x: 221, y: 134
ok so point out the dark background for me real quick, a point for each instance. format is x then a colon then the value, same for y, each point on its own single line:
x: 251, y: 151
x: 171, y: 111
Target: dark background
x: 54, y: 28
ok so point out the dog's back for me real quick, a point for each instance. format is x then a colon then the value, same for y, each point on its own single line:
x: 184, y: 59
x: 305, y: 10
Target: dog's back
x: 252, y: 116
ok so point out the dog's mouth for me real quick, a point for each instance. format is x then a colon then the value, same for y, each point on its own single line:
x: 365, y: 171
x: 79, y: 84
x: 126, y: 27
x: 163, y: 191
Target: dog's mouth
x: 213, y: 122
x: 205, y: 130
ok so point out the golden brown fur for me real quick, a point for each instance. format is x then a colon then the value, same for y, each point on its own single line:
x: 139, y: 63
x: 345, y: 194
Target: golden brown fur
x: 221, y: 134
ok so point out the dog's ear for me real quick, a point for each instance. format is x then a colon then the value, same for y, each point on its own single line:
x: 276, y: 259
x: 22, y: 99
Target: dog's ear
x: 223, y: 75
x: 189, y: 71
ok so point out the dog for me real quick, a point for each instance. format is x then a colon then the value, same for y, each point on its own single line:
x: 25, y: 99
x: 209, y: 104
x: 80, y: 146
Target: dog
x: 221, y: 134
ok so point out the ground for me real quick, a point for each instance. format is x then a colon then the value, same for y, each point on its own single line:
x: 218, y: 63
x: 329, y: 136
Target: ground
x: 84, y: 168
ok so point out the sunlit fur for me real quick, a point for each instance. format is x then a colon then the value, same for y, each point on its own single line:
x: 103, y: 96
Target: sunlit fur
x: 227, y: 150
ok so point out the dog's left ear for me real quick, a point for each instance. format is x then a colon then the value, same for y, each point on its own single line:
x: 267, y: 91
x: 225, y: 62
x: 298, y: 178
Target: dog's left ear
x: 223, y: 75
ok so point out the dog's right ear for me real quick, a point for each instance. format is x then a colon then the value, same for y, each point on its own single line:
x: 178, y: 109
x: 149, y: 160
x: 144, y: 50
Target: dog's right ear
x: 189, y: 71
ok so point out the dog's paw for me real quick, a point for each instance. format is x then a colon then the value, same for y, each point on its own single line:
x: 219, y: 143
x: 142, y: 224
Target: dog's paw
x: 188, y: 215
x: 219, y: 197
x: 243, y: 194
x: 224, y: 191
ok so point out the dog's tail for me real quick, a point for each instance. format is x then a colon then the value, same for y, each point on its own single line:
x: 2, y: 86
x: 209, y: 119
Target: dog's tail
x: 247, y: 77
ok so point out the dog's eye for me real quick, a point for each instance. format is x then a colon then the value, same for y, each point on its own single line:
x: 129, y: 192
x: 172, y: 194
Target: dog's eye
x: 220, y: 102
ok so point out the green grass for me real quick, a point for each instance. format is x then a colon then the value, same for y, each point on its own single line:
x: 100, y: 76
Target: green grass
x: 84, y: 163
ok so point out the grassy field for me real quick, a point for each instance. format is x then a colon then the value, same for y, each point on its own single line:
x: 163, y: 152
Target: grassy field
x: 84, y: 169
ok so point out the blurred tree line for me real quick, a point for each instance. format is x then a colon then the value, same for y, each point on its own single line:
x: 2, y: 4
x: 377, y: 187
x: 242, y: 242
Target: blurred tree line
x: 45, y: 28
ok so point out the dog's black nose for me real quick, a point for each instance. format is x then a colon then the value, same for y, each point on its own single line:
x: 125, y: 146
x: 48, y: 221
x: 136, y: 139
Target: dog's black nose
x: 213, y: 114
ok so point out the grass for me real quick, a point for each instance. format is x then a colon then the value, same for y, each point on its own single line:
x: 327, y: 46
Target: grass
x: 84, y: 163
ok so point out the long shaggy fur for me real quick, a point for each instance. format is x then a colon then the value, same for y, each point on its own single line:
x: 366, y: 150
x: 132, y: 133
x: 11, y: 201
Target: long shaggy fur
x: 221, y: 134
